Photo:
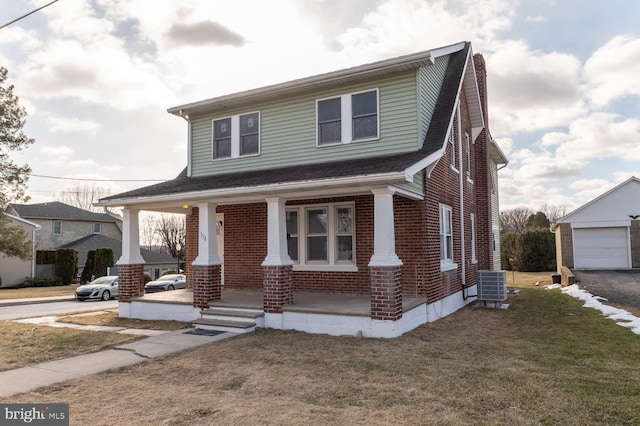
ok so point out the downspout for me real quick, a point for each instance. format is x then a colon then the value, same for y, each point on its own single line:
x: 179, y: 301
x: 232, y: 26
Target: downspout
x: 461, y: 174
x: 188, y: 120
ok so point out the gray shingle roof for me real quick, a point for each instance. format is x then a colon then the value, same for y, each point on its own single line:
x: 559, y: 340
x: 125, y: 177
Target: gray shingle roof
x: 59, y: 211
x: 95, y: 241
x: 434, y: 140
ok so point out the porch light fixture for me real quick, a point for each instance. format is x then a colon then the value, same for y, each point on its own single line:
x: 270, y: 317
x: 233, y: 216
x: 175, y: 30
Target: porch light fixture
x: 185, y: 206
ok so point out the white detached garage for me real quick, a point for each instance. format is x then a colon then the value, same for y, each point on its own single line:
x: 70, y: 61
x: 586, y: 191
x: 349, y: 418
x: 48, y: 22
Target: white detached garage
x: 603, y: 233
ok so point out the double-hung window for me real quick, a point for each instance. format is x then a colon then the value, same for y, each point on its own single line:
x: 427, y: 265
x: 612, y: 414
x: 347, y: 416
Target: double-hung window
x: 236, y: 136
x: 452, y: 150
x: 474, y: 258
x: 348, y: 118
x: 467, y: 142
x: 321, y: 237
x: 97, y: 228
x: 57, y: 227
x: 446, y: 238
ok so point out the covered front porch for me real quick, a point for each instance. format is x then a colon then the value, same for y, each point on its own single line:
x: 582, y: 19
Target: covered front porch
x: 333, y: 314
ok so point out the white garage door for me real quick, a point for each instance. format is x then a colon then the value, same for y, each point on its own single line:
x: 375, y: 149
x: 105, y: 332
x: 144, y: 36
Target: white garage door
x: 605, y: 248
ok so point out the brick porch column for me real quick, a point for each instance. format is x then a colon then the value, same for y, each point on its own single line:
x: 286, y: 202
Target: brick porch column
x: 385, y: 267
x: 386, y: 292
x: 130, y: 264
x: 206, y: 267
x: 277, y: 283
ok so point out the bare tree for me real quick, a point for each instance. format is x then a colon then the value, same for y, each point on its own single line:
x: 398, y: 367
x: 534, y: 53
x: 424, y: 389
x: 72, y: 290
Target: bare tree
x: 172, y: 230
x: 554, y: 212
x: 149, y: 238
x: 83, y: 196
x: 514, y: 220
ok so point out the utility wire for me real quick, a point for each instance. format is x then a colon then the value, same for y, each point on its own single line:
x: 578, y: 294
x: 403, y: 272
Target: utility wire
x: 24, y: 16
x: 98, y: 180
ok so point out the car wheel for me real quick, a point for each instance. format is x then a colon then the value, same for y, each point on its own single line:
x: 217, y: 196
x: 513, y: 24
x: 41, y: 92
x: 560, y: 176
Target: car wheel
x: 171, y: 288
x: 106, y: 295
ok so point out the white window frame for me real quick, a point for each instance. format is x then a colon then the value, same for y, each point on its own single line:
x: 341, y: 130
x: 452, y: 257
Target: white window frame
x: 452, y: 149
x: 446, y: 238
x: 235, y: 136
x: 332, y: 264
x: 346, y: 119
x: 98, y: 227
x: 467, y: 141
x: 53, y: 227
x: 472, y: 219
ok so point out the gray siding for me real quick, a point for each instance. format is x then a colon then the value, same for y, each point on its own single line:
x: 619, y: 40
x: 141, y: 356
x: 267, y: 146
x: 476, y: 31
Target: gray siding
x: 429, y: 83
x: 288, y: 130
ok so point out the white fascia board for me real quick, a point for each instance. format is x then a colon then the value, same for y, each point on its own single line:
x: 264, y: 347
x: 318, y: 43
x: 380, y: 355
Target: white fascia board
x: 25, y: 221
x: 259, y: 190
x: 423, y: 164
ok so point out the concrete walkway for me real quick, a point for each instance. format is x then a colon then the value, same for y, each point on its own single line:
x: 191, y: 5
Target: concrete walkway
x: 47, y: 373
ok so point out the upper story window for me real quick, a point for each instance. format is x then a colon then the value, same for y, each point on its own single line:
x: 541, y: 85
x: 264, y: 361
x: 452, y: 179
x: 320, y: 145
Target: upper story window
x: 467, y: 142
x: 236, y: 136
x: 348, y: 118
x: 57, y: 227
x: 452, y: 150
x: 321, y: 237
x: 97, y: 228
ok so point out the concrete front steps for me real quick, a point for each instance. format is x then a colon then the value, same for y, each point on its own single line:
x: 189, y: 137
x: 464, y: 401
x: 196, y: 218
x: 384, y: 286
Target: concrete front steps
x: 234, y: 320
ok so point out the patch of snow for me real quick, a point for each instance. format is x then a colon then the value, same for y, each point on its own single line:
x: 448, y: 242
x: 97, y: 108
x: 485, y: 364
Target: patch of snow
x: 620, y: 316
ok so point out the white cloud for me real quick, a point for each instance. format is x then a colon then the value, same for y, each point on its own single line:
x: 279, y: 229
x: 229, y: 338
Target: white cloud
x: 72, y: 125
x: 536, y: 19
x: 532, y: 90
x: 28, y: 40
x: 612, y: 71
x: 58, y: 153
x: 588, y: 189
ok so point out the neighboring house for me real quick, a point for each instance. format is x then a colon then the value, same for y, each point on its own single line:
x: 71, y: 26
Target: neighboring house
x: 603, y: 233
x: 62, y: 223
x: 372, y: 181
x: 14, y: 270
x: 155, y: 263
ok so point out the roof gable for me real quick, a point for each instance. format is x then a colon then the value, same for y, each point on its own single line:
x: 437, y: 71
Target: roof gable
x: 617, y: 204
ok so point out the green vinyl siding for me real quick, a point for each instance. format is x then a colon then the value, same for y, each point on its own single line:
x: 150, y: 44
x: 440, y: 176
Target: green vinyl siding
x: 288, y: 129
x: 416, y: 186
x: 429, y: 83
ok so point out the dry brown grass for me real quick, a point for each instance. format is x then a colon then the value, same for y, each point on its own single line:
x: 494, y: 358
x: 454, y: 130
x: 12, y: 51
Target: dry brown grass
x: 26, y: 344
x: 111, y: 319
x: 31, y: 292
x: 546, y: 360
x: 529, y: 279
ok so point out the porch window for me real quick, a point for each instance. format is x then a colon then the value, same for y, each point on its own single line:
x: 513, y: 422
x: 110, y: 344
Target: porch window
x: 236, y: 136
x: 57, y: 227
x: 321, y: 237
x: 348, y: 118
x: 446, y: 238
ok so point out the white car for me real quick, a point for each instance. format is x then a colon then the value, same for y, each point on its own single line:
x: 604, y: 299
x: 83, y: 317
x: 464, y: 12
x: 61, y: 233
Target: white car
x: 166, y: 283
x: 102, y: 288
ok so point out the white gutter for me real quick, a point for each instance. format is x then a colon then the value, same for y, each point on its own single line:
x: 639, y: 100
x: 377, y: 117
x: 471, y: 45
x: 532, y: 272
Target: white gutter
x: 278, y: 187
x: 461, y: 174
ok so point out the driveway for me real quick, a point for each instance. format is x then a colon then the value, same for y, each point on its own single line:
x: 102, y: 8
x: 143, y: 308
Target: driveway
x: 616, y: 286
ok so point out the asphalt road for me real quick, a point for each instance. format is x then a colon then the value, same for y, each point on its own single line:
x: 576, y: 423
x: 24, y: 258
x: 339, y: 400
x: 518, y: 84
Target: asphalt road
x: 616, y: 286
x: 53, y: 308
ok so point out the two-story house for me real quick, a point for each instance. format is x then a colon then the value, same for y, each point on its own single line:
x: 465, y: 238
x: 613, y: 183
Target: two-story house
x: 354, y: 202
x: 65, y: 226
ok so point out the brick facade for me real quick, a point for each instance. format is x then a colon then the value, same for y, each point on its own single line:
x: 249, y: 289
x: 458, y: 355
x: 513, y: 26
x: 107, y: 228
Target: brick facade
x: 131, y: 282
x: 634, y: 235
x: 191, y: 244
x: 206, y: 284
x: 277, y: 290
x: 386, y: 293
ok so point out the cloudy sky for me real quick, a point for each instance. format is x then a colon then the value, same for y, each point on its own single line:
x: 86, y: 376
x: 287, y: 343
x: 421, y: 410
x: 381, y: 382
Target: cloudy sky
x: 97, y: 76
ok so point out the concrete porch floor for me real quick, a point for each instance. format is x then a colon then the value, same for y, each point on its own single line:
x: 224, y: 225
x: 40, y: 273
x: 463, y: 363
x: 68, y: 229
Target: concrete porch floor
x: 317, y: 303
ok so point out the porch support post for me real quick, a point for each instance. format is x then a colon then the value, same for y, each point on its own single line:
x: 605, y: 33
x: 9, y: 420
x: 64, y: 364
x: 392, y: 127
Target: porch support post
x: 385, y: 267
x: 130, y: 264
x: 207, y: 284
x: 277, y: 266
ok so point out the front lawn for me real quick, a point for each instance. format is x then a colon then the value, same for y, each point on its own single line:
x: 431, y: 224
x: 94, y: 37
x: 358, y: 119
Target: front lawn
x: 31, y: 292
x: 545, y: 360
